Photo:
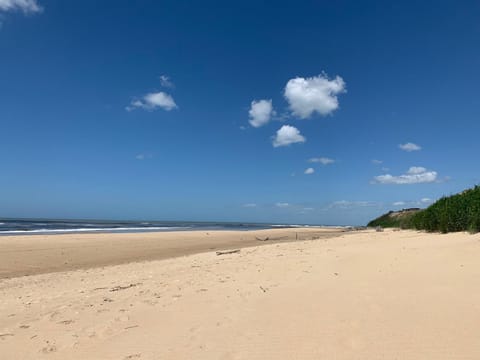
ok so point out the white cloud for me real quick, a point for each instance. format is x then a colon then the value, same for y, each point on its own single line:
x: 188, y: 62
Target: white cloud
x: 153, y: 101
x: 287, y: 135
x: 143, y: 156
x: 260, y: 112
x: 308, y: 209
x: 166, y: 82
x: 414, y: 175
x: 420, y: 202
x: 309, y: 171
x: 344, y: 204
x: 416, y: 170
x: 282, y: 205
x: 27, y: 6
x: 306, y: 96
x: 377, y: 162
x: 250, y: 205
x: 410, y: 147
x: 321, y: 160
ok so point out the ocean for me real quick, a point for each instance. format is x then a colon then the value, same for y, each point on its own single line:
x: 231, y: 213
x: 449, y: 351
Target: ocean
x: 55, y: 226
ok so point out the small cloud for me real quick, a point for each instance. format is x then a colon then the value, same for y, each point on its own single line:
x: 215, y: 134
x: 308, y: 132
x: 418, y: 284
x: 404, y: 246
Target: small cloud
x: 409, y: 147
x: 143, y: 156
x: 321, y: 160
x: 306, y: 210
x: 377, y: 162
x: 309, y: 171
x: 166, y: 82
x: 153, y: 101
x: 260, y: 112
x: 385, y: 169
x: 306, y: 96
x: 420, y: 202
x: 414, y: 175
x: 26, y: 6
x: 250, y: 205
x: 282, y: 205
x: 416, y: 170
x: 287, y: 135
x: 344, y: 204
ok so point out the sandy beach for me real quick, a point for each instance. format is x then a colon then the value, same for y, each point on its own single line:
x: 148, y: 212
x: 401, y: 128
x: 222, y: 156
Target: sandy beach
x: 352, y: 295
x: 36, y: 254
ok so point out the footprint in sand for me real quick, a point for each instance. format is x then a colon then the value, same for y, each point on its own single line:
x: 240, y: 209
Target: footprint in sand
x: 4, y: 336
x: 133, y: 356
x: 49, y: 348
x: 123, y: 318
x: 54, y: 316
x: 150, y: 302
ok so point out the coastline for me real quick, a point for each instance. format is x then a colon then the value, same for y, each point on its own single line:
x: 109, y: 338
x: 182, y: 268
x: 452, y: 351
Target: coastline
x: 22, y: 255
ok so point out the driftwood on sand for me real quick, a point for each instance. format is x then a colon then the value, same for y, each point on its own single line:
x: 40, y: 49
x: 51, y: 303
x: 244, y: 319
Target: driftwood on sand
x: 274, y: 238
x: 262, y: 239
x: 228, y: 252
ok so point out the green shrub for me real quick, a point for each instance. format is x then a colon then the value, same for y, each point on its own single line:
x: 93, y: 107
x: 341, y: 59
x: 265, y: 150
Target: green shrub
x: 460, y: 212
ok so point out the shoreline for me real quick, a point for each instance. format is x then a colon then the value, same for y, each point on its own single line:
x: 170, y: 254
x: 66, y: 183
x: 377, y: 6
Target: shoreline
x: 23, y: 255
x: 164, y: 230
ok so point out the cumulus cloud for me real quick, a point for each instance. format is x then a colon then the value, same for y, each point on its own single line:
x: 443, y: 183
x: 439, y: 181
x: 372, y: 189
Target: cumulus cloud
x: 377, y: 162
x: 250, y: 205
x: 399, y: 203
x: 153, y: 101
x: 260, y: 112
x: 409, y: 147
x: 166, y: 82
x: 414, y: 175
x: 309, y: 171
x: 416, y: 170
x: 287, y: 135
x: 306, y: 96
x: 27, y: 6
x: 322, y: 160
x: 426, y: 200
x: 282, y: 205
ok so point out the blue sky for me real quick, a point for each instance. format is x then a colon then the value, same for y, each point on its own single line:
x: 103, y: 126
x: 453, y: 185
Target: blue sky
x: 300, y: 112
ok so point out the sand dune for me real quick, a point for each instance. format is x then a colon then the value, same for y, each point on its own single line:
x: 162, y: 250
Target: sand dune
x: 362, y: 295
